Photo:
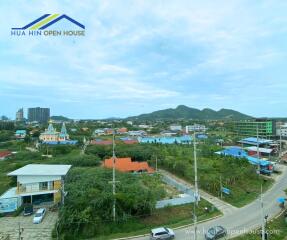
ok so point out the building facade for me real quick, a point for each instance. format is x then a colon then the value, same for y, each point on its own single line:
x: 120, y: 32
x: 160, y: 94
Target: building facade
x: 36, y: 183
x: 38, y: 114
x: 282, y: 130
x: 266, y: 128
x: 20, y: 115
x: 195, y: 128
x: 51, y: 134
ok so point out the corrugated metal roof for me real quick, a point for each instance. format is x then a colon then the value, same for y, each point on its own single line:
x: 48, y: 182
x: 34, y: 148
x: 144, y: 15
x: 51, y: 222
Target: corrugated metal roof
x: 41, y: 170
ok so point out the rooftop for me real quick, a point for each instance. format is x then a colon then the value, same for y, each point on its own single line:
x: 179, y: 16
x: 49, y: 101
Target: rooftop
x: 41, y: 170
x: 126, y: 165
x: 253, y: 141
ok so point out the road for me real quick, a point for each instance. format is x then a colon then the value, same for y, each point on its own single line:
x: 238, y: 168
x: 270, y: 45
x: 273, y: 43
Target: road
x: 240, y: 220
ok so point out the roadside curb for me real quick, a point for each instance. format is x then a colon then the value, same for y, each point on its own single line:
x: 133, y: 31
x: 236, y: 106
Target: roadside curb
x: 183, y: 226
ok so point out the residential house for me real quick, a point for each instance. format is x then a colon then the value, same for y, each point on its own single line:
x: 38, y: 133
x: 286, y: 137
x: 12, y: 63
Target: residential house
x: 5, y: 154
x: 40, y: 182
x: 127, y: 165
x: 20, y: 134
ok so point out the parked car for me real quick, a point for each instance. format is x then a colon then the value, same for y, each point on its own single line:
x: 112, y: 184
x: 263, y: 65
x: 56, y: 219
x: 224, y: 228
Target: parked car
x: 215, y: 233
x: 39, y: 216
x: 28, y: 210
x: 161, y: 233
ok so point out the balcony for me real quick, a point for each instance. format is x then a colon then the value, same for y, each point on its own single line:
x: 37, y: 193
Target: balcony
x: 38, y: 187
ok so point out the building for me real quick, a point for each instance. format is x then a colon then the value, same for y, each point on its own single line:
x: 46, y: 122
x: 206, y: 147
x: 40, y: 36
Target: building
x: 186, y: 139
x: 266, y: 128
x: 127, y: 165
x: 51, y: 136
x: 122, y: 130
x: 38, y: 114
x: 282, y: 130
x: 20, y: 115
x: 253, y: 141
x: 5, y: 154
x: 36, y: 183
x: 195, y: 128
x: 20, y: 134
x: 175, y: 127
x: 101, y: 142
x: 266, y: 167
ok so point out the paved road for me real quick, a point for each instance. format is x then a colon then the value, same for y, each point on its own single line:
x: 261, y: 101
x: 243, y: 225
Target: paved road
x: 224, y: 207
x: 242, y: 219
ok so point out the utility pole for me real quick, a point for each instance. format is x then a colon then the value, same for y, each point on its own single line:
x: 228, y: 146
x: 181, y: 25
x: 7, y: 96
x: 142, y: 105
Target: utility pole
x: 262, y: 216
x: 280, y: 151
x: 156, y: 163
x: 196, y: 195
x: 114, y: 179
x: 220, y: 187
x: 258, y: 148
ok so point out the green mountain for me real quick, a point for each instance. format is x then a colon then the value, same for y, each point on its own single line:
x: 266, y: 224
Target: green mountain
x: 60, y: 118
x: 184, y: 112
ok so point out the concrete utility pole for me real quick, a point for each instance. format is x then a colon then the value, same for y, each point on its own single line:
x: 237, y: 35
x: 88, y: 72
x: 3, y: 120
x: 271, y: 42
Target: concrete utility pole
x: 280, y: 151
x: 156, y: 163
x: 196, y: 195
x: 258, y: 148
x: 262, y: 216
x: 220, y: 187
x: 114, y: 179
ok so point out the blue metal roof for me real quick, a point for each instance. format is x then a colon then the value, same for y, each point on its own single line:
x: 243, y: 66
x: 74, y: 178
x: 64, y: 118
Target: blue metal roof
x: 166, y: 140
x: 240, y: 153
x: 20, y: 131
x: 67, y: 142
x: 253, y: 141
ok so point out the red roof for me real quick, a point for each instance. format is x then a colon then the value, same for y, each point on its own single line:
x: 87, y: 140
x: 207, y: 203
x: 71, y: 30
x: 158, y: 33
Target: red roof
x: 4, y: 154
x: 103, y: 142
x: 130, y: 141
x: 126, y: 165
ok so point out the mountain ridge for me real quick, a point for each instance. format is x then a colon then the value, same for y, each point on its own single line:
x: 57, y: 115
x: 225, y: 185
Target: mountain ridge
x: 185, y: 112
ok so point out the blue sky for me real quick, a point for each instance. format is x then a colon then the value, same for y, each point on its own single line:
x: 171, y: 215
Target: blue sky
x: 141, y: 56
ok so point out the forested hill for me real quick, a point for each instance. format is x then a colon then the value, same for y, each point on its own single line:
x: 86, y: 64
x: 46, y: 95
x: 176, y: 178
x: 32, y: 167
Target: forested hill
x: 184, y: 112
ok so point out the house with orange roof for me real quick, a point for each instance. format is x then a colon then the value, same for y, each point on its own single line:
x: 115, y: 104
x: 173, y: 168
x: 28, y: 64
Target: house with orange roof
x: 127, y: 165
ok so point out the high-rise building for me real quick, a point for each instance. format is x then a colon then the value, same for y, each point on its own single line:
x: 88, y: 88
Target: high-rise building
x: 266, y: 128
x: 20, y: 115
x: 38, y: 114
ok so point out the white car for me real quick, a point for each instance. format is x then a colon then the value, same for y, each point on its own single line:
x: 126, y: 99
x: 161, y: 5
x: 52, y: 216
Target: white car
x: 39, y: 216
x: 161, y: 233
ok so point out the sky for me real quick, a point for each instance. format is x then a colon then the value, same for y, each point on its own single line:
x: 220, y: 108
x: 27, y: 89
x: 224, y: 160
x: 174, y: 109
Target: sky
x: 141, y: 56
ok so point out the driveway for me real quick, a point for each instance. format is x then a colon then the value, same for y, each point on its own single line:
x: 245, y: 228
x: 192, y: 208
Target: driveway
x: 10, y: 226
x: 241, y: 220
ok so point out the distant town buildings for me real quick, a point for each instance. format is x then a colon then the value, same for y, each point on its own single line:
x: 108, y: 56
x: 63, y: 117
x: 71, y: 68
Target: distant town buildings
x: 38, y: 114
x: 195, y: 128
x: 20, y: 115
x: 186, y: 139
x: 282, y: 130
x: 175, y: 127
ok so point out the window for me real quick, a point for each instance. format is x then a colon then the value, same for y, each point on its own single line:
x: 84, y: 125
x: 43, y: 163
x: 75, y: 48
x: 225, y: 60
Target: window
x: 43, y: 185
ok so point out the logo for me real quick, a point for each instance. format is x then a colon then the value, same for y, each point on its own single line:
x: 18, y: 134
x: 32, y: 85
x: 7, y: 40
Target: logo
x: 44, y: 26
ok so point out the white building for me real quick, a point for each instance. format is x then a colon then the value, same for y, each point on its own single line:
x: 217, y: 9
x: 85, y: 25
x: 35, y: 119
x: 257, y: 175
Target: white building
x: 283, y: 129
x: 196, y: 128
x: 37, y: 183
x: 175, y: 127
